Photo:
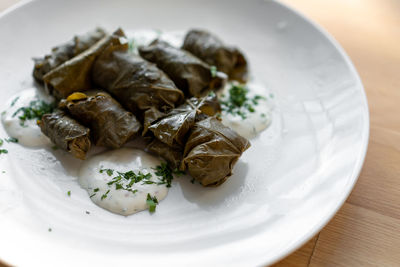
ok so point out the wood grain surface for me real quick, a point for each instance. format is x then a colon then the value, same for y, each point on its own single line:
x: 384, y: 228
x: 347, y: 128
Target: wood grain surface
x: 366, y: 231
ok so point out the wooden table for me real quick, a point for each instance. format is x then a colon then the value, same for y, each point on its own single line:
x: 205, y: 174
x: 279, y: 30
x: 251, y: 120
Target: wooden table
x: 366, y: 231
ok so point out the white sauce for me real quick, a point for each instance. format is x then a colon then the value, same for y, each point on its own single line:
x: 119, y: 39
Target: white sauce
x: 29, y: 134
x: 145, y: 37
x: 256, y: 121
x: 124, y: 159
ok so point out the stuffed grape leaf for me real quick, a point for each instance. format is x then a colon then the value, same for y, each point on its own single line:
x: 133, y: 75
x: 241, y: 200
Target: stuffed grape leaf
x: 190, y: 74
x: 211, y: 151
x: 66, y: 133
x: 212, y: 50
x: 110, y: 124
x: 65, y: 52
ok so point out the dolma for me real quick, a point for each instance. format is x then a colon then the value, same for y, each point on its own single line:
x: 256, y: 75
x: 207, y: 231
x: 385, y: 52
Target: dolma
x: 190, y: 74
x: 64, y: 52
x: 136, y: 83
x: 172, y: 128
x: 110, y: 124
x: 173, y: 155
x: 74, y: 74
x: 211, y: 151
x: 66, y: 133
x: 212, y: 50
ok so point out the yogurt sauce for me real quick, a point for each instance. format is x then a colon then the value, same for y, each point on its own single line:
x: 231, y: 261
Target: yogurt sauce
x: 97, y: 174
x: 28, y: 133
x: 145, y: 37
x: 250, y: 123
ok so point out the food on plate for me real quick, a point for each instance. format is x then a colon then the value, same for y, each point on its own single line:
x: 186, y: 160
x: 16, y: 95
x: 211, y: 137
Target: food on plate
x: 211, y: 151
x: 65, y: 52
x: 212, y: 50
x: 66, y: 133
x: 190, y: 74
x: 136, y: 83
x: 74, y: 74
x: 173, y: 101
x: 110, y: 124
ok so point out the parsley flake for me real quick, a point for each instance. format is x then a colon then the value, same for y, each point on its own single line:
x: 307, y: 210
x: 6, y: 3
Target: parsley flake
x: 152, y: 202
x: 35, y: 110
x: 11, y: 140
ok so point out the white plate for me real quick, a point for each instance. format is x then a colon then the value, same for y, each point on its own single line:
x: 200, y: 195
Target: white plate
x: 286, y: 187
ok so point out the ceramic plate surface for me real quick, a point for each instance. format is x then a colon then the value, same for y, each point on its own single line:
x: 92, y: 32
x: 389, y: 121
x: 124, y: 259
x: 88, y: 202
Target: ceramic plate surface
x: 285, y: 188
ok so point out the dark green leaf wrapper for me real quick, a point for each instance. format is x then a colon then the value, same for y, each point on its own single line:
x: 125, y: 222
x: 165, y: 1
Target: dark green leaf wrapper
x: 173, y: 155
x: 190, y: 74
x: 173, y: 127
x: 136, y: 83
x: 66, y: 133
x: 74, y: 74
x: 110, y: 124
x: 64, y: 52
x: 212, y: 50
x: 211, y: 152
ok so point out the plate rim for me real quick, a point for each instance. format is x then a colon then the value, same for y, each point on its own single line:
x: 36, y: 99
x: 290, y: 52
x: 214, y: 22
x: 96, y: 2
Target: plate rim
x: 365, y: 134
x: 365, y: 131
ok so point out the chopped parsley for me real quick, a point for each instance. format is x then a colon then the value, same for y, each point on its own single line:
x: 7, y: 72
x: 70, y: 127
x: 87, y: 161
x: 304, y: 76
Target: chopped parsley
x: 152, y: 202
x: 105, y: 195
x: 11, y: 140
x: 165, y: 173
x: 69, y: 193
x: 108, y: 171
x: 1, y: 142
x: 213, y: 71
x: 238, y: 101
x: 3, y: 151
x: 125, y: 180
x: 35, y: 110
x: 14, y: 101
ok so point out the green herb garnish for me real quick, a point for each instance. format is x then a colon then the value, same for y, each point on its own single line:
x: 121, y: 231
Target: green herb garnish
x: 213, y: 71
x: 69, y: 193
x: 11, y: 140
x: 3, y: 151
x: 165, y: 173
x: 238, y: 103
x: 105, y: 195
x: 14, y: 101
x: 1, y: 142
x: 35, y: 110
x: 108, y: 171
x: 152, y: 203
